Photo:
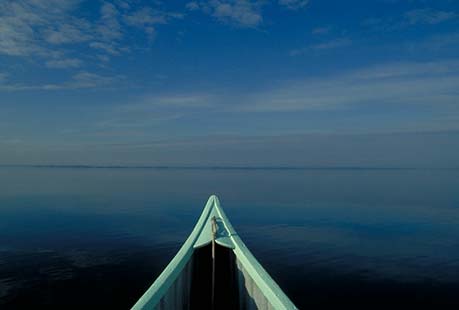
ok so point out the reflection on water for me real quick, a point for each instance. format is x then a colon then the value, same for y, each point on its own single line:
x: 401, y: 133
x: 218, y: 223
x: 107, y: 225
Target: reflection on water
x: 78, y: 238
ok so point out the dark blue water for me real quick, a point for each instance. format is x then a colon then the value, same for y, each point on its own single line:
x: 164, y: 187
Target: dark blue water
x: 81, y: 238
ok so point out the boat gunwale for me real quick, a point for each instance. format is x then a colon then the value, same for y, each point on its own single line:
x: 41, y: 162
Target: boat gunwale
x: 167, y: 277
x: 271, y: 291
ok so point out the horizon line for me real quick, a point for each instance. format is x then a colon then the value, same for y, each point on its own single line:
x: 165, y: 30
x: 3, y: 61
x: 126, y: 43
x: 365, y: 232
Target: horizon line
x: 219, y: 167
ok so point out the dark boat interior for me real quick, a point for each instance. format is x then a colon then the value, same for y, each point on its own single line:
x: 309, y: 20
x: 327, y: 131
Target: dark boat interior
x: 226, y: 285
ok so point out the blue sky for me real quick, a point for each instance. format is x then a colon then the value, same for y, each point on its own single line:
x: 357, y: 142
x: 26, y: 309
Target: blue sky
x: 230, y: 82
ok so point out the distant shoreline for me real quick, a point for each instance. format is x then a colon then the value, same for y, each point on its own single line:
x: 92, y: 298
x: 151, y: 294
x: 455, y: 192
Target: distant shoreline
x: 223, y: 167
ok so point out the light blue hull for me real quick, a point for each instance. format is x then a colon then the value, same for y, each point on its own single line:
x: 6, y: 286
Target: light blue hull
x: 172, y: 289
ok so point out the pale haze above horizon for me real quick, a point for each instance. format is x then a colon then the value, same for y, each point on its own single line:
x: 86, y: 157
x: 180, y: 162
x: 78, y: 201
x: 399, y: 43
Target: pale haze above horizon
x: 230, y: 82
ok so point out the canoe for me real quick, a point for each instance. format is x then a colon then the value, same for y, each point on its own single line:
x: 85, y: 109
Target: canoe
x: 214, y: 270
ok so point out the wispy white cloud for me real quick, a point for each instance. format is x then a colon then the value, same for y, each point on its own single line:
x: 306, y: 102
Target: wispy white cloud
x: 321, y: 30
x: 340, y: 42
x: 29, y: 26
x: 54, y: 33
x: 146, y: 19
x: 186, y: 100
x: 243, y: 13
x: 407, y: 69
x: 428, y: 16
x: 327, y: 45
x: 122, y: 4
x: 109, y: 27
x: 298, y: 51
x: 86, y: 79
x: 49, y: 29
x: 145, y: 16
x: 68, y: 33
x: 433, y: 83
x: 134, y: 121
x: 80, y: 80
x: 103, y: 58
x: 436, y: 42
x: 193, y: 6
x: 108, y: 47
x: 410, y: 18
x: 294, y: 4
x: 403, y: 84
x: 64, y: 63
x: 152, y: 110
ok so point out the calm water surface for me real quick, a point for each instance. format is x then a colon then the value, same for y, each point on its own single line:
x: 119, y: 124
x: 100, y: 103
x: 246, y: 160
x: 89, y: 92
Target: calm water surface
x: 81, y: 238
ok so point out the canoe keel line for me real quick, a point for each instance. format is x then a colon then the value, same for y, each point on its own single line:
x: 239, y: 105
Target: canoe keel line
x: 214, y: 261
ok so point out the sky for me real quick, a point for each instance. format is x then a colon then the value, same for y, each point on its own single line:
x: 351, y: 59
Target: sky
x: 230, y: 82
